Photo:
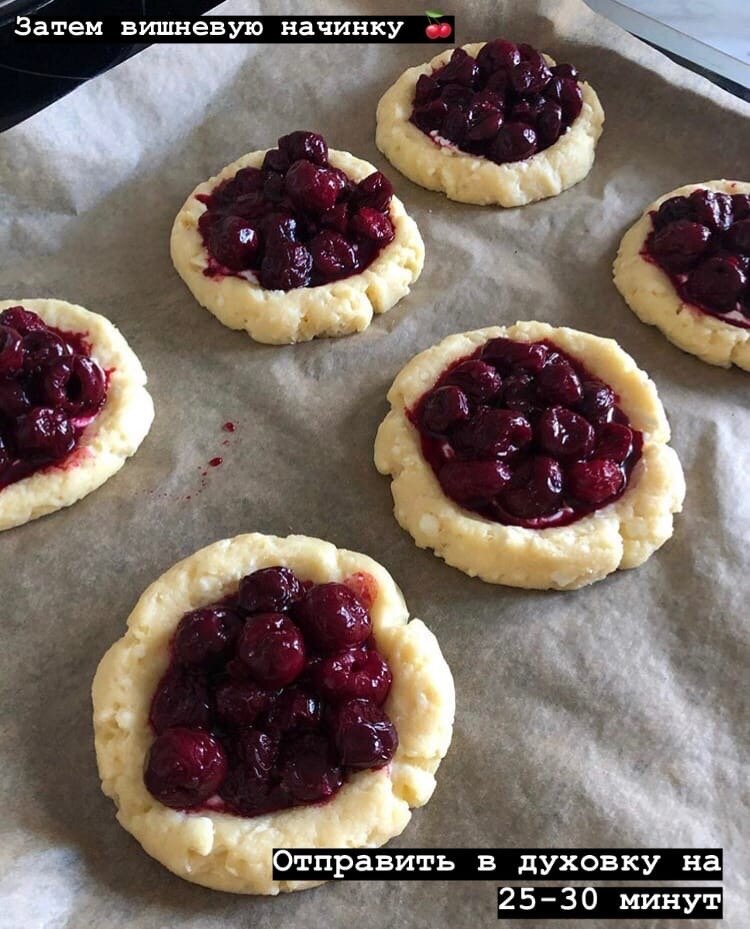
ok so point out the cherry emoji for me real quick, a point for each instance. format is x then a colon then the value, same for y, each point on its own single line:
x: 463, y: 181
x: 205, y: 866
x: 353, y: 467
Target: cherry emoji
x: 432, y: 31
x: 445, y: 30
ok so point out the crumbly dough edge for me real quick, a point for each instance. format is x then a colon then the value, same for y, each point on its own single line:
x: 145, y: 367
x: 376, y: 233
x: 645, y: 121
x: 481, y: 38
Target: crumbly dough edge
x: 111, y: 438
x: 621, y: 535
x: 228, y: 852
x: 651, y: 295
x: 471, y: 179
x: 280, y: 318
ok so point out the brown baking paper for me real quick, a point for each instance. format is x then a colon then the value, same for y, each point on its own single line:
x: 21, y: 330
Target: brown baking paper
x: 612, y: 716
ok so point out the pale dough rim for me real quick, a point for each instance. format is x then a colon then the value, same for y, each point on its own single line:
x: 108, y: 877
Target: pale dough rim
x: 651, y: 295
x: 621, y: 535
x: 280, y: 318
x: 471, y: 179
x: 107, y: 442
x: 228, y: 852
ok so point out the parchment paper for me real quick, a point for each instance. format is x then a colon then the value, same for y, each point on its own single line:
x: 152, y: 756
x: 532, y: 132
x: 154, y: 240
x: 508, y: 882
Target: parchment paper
x: 613, y: 716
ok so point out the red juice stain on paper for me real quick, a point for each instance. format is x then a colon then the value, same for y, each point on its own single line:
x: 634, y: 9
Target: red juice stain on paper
x: 215, y: 462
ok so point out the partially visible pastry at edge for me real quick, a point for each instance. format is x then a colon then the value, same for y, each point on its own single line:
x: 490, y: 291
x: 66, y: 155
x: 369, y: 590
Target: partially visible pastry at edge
x: 73, y: 406
x: 297, y: 242
x: 684, y: 267
x: 269, y: 693
x: 530, y: 456
x: 491, y: 123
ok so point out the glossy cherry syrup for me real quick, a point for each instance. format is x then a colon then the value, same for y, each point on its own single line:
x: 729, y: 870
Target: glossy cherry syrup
x: 50, y: 390
x: 506, y: 104
x: 296, y: 221
x: 271, y: 698
x: 522, y: 434
x: 702, y: 242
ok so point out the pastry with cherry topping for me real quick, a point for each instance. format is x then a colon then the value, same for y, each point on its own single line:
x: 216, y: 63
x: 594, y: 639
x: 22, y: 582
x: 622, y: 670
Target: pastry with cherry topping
x: 269, y: 692
x: 73, y: 406
x: 491, y: 123
x: 530, y: 456
x: 684, y: 267
x: 297, y: 242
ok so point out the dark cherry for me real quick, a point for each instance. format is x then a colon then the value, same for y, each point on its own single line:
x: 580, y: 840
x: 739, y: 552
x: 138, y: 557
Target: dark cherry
x: 485, y: 127
x: 185, y: 767
x: 559, y: 383
x: 477, y: 379
x: 427, y: 89
x: 273, y: 649
x: 43, y: 347
x: 311, y: 187
x: 493, y: 433
x: 287, y: 266
x: 507, y: 354
x: 269, y: 590
x: 332, y: 617
x: 497, y: 54
x: 302, y: 145
x: 615, y: 442
x: 294, y: 708
x: 549, y: 123
x: 364, y: 735
x: 45, y: 433
x: 565, y: 434
x: 598, y: 400
x: 717, y: 283
x: 356, y: 673
x: 565, y: 70
x: 309, y: 772
x: 738, y: 237
x: 740, y: 210
x: 474, y: 481
x: 519, y: 393
x: 14, y: 401
x: 595, y: 481
x: 461, y: 69
x: 374, y: 191
x: 530, y: 75
x: 712, y: 209
x: 11, y: 351
x: 571, y: 100
x: 673, y: 209
x: 372, y: 225
x: 679, y: 245
x: 536, y: 488
x: 445, y: 408
x: 181, y: 699
x: 76, y: 385
x: 235, y: 242
x: 240, y: 703
x: 276, y: 161
x: 205, y: 637
x: 333, y: 256
x: 22, y: 320
x: 514, y: 141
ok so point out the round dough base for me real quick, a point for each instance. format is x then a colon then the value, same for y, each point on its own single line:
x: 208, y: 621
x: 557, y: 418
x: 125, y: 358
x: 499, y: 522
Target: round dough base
x: 621, y: 535
x: 280, y: 317
x: 111, y: 438
x: 233, y: 853
x: 651, y: 295
x: 472, y: 179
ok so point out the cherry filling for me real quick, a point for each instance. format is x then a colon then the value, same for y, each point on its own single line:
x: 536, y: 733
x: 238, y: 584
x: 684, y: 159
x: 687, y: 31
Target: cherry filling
x: 506, y: 104
x: 296, y: 221
x: 522, y: 434
x: 50, y: 390
x: 703, y: 243
x: 271, y: 698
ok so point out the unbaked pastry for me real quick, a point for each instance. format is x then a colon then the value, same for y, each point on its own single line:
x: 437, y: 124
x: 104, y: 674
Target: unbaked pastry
x: 470, y: 179
x: 622, y: 534
x: 232, y: 853
x: 112, y: 436
x: 652, y: 296
x: 280, y: 317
